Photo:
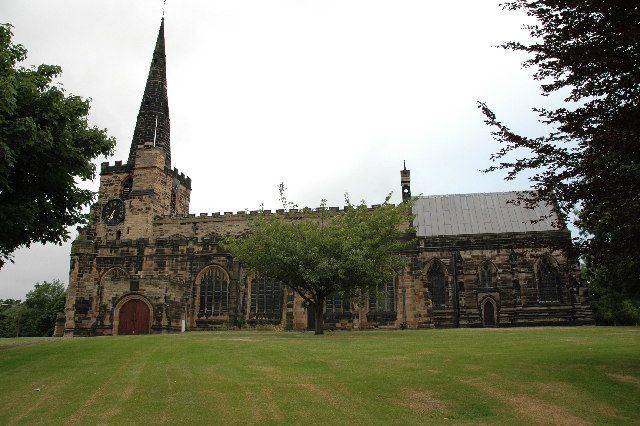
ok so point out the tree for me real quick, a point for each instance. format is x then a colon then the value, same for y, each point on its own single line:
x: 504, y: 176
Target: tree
x: 43, y: 304
x: 320, y: 253
x: 10, y: 313
x: 589, y: 162
x: 46, y: 147
x: 36, y: 316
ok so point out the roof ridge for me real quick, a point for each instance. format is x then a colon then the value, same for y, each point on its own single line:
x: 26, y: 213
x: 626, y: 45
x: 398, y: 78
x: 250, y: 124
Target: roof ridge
x: 474, y: 193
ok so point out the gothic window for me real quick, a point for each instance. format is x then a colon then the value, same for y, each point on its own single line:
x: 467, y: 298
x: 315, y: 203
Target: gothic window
x: 436, y: 285
x: 336, y: 304
x: 383, y: 299
x: 266, y: 299
x: 126, y: 188
x: 487, y: 275
x: 548, y: 281
x: 214, y: 291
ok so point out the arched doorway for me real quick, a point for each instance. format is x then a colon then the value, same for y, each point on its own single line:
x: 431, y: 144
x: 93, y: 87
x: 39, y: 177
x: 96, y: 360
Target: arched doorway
x: 134, y: 318
x: 488, y: 314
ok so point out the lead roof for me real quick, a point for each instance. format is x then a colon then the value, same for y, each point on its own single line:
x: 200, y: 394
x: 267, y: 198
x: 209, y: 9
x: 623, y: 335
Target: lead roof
x: 482, y: 213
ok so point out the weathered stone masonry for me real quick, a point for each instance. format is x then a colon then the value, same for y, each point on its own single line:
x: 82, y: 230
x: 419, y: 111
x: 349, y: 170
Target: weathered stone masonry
x: 478, y: 262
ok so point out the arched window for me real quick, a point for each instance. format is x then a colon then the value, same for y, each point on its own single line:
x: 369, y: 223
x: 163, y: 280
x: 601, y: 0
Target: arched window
x: 488, y: 275
x: 383, y: 299
x: 127, y: 184
x: 266, y: 300
x: 214, y: 291
x: 548, y: 280
x: 436, y: 285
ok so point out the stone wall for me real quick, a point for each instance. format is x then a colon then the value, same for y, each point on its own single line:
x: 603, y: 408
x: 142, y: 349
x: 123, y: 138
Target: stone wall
x: 165, y: 272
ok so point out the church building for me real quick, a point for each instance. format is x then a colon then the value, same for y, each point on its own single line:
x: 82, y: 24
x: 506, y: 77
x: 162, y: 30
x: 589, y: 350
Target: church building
x: 145, y: 264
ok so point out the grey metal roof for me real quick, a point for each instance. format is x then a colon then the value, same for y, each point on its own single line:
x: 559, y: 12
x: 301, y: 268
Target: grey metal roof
x: 483, y: 213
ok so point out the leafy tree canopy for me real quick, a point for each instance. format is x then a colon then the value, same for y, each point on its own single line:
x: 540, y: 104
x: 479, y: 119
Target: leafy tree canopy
x: 320, y: 253
x: 46, y: 147
x: 36, y: 316
x: 589, y: 162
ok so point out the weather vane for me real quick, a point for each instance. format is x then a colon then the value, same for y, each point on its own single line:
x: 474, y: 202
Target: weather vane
x: 164, y: 3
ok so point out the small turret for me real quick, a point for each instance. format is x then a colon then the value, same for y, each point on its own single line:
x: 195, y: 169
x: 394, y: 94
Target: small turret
x: 405, y: 183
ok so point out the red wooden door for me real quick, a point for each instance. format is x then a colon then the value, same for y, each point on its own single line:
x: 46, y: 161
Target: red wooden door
x: 134, y: 318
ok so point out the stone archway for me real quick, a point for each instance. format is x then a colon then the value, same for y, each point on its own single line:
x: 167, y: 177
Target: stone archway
x: 132, y: 315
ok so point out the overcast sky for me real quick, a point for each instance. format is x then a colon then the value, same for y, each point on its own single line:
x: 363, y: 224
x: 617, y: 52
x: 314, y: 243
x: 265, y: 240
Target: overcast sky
x: 325, y: 96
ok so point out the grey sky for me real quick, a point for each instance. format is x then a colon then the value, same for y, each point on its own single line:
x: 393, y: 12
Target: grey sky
x: 327, y: 96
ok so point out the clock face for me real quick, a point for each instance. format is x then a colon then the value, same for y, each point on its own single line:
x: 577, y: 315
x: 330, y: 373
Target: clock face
x: 113, y: 212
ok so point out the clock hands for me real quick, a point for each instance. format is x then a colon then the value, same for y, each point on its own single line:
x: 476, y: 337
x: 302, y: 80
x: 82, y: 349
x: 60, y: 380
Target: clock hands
x: 113, y: 212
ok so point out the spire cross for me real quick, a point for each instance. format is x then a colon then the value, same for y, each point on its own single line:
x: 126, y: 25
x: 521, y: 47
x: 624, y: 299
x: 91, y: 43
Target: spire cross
x: 164, y: 3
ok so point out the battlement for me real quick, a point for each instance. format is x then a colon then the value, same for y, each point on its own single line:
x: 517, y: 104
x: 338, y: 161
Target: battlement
x: 117, y: 167
x: 245, y: 214
x: 182, y: 178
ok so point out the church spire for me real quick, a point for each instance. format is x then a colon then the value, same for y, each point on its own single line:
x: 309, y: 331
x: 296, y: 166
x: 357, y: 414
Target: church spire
x: 152, y: 125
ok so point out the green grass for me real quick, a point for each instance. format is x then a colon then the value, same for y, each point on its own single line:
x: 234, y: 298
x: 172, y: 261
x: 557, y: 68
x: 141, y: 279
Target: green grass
x: 505, y: 376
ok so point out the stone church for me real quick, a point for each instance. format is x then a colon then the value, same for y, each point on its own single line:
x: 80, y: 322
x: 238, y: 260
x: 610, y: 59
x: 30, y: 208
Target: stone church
x: 144, y: 264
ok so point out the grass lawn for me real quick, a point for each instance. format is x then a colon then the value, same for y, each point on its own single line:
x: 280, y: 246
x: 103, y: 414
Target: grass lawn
x: 526, y: 376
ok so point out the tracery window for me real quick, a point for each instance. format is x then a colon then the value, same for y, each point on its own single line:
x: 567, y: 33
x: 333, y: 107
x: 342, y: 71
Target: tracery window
x: 487, y: 275
x: 214, y: 291
x: 266, y: 300
x: 548, y: 281
x: 437, y: 285
x: 383, y: 299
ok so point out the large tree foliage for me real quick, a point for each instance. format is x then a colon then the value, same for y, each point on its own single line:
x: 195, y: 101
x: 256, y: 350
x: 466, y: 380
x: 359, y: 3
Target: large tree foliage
x: 36, y: 316
x: 46, y: 147
x: 589, y: 162
x: 320, y: 253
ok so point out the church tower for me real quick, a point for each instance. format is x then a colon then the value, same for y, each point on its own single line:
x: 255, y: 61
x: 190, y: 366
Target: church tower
x: 110, y: 280
x: 133, y: 194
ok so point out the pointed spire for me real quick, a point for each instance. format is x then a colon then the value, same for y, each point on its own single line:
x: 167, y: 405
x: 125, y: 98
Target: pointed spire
x: 152, y: 125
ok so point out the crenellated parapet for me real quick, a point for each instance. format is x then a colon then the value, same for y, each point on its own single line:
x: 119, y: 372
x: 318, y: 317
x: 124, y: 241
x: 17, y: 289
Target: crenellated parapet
x: 117, y: 167
x: 181, y: 177
x: 244, y: 214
